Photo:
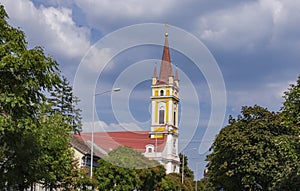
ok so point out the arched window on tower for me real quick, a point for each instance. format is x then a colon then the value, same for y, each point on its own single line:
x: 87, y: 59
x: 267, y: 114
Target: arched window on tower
x: 174, y: 116
x: 161, y: 92
x: 161, y: 115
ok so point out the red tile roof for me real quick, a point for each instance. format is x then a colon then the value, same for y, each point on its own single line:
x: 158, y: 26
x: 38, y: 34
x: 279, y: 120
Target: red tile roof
x: 135, y: 139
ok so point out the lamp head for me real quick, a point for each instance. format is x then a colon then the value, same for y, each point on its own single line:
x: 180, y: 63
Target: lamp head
x: 116, y: 89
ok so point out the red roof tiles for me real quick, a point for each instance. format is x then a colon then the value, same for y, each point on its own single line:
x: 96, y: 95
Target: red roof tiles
x: 135, y: 139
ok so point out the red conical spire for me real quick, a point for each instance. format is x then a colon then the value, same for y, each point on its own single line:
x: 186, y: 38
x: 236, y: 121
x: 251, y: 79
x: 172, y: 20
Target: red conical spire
x: 165, y: 67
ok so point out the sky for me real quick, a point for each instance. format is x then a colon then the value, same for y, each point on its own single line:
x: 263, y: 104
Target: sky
x: 248, y: 54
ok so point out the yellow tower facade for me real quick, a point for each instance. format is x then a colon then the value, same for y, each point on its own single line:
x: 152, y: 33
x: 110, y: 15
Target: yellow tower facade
x: 165, y: 96
x: 165, y: 100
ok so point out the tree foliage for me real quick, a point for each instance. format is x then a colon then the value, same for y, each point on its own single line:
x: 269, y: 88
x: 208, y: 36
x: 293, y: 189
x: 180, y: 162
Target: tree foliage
x: 253, y: 152
x: 55, y: 163
x: 64, y: 102
x: 290, y: 114
x: 127, y: 169
x: 172, y: 181
x: 113, y: 177
x: 34, y: 145
x: 291, y: 107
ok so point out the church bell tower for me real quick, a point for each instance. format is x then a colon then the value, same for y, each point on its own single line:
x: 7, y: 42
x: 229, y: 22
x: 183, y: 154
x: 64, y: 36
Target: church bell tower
x: 165, y: 100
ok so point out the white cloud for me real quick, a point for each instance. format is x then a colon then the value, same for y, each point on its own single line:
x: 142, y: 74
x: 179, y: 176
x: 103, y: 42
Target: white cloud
x: 286, y: 30
x: 52, y: 28
x: 267, y: 95
x: 107, y: 15
x: 250, y: 25
x: 98, y: 58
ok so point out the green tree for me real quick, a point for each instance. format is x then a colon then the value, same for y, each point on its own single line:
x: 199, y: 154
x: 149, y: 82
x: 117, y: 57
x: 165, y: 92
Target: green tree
x: 83, y: 180
x: 114, y: 177
x: 291, y: 107
x: 251, y: 153
x: 203, y: 185
x: 151, y: 177
x: 127, y: 169
x: 25, y: 75
x: 55, y: 163
x: 64, y: 102
x: 290, y: 114
x: 19, y: 151
x: 33, y: 146
x: 172, y: 181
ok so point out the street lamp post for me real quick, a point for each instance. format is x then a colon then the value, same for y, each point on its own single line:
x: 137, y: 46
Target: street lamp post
x: 182, y: 168
x: 196, y: 187
x: 197, y: 165
x: 93, y: 125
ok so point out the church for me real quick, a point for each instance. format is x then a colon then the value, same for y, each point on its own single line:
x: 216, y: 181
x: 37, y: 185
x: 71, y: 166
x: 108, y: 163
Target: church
x: 160, y: 143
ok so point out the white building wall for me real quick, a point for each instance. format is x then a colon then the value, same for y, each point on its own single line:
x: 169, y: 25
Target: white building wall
x: 153, y: 112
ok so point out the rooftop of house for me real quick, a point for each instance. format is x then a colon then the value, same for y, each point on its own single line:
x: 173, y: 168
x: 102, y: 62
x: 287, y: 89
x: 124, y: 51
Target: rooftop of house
x: 137, y: 140
x: 84, y: 146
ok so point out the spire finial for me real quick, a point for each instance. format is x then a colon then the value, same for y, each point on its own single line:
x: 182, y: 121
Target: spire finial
x: 167, y: 29
x: 165, y: 68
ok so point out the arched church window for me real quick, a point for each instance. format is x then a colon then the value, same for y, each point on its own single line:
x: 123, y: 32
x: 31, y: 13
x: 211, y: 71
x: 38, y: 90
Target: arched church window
x: 149, y: 148
x: 161, y: 92
x: 174, y: 168
x: 174, y: 115
x: 161, y: 115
